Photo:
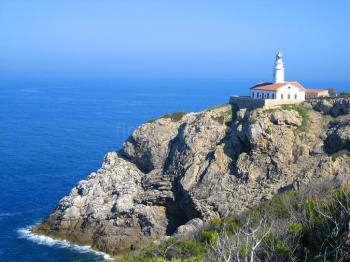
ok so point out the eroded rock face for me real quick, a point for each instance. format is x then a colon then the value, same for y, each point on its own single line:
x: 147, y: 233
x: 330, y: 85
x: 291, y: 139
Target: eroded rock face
x: 173, y: 175
x: 148, y: 146
x: 338, y: 136
x: 334, y: 107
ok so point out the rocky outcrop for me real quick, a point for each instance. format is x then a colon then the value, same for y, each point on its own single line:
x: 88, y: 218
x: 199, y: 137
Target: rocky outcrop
x: 338, y: 136
x: 173, y: 174
x: 333, y: 106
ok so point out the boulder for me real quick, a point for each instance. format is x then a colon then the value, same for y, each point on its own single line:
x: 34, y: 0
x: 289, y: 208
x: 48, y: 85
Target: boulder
x: 286, y: 117
x: 191, y: 227
x: 338, y: 137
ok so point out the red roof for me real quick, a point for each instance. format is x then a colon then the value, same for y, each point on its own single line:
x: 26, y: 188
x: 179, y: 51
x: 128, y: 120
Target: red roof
x: 315, y: 91
x: 273, y: 87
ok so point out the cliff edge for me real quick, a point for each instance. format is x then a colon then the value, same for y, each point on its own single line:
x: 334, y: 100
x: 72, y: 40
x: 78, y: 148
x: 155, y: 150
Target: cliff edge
x: 176, y: 172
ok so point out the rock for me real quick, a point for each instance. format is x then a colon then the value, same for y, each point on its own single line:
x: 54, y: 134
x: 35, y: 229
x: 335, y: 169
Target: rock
x: 317, y: 149
x: 324, y: 106
x: 332, y: 106
x: 286, y: 117
x: 148, y: 146
x: 340, y: 108
x: 174, y: 174
x: 338, y: 137
x: 191, y: 227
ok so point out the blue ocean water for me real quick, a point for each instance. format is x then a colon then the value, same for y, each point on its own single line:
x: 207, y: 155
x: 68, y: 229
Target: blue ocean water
x: 54, y: 133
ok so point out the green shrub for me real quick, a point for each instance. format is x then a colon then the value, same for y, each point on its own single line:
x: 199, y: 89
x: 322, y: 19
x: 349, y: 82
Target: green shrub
x: 270, y: 110
x: 296, y: 228
x: 209, y: 236
x: 232, y: 225
x: 292, y: 193
x: 315, y: 218
x: 269, y: 237
x: 139, y: 257
x: 177, y: 116
x: 299, y: 239
x: 245, y: 250
x: 256, y: 214
x: 276, y: 207
x: 192, y: 250
x: 281, y: 248
x: 216, y: 223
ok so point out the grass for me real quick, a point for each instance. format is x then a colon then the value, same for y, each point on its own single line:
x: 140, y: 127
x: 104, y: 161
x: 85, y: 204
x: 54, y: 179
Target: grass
x: 225, y: 116
x: 218, y: 107
x: 175, y: 117
x: 270, y: 110
x: 303, y: 113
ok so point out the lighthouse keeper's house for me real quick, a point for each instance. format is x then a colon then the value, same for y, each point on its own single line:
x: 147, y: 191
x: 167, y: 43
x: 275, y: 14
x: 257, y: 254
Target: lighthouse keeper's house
x: 276, y: 93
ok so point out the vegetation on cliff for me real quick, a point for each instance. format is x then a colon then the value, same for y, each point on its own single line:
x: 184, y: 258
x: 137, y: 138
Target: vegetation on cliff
x: 304, y: 225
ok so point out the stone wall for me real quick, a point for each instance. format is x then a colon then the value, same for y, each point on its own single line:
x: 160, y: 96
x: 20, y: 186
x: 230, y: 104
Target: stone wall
x: 245, y: 102
x: 276, y: 102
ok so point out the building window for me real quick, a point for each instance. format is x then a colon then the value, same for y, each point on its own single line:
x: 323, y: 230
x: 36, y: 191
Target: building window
x: 288, y: 96
x: 273, y: 96
x: 281, y: 96
x: 252, y: 94
x: 295, y: 96
x: 268, y: 95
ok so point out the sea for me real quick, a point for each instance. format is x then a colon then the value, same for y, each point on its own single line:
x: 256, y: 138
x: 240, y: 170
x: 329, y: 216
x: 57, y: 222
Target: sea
x: 55, y: 132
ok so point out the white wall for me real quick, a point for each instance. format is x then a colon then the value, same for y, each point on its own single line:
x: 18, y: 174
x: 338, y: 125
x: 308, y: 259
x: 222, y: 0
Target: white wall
x: 292, y: 91
x: 278, y: 74
x: 286, y: 90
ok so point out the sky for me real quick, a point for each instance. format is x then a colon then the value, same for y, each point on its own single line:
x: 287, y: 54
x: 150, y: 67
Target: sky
x: 182, y: 38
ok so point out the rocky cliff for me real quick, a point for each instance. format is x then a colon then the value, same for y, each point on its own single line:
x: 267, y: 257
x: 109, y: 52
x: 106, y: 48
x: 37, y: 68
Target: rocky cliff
x: 178, y: 171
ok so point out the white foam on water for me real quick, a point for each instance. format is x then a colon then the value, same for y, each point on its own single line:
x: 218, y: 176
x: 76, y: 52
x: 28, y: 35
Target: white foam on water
x: 48, y: 241
x: 8, y: 214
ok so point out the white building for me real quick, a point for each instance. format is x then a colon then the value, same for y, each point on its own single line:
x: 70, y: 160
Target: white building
x: 279, y: 89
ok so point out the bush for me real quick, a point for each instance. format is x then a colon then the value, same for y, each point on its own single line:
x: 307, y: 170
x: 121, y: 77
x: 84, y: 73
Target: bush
x: 177, y: 116
x: 295, y: 225
x: 281, y: 248
x: 233, y: 225
x: 216, y: 223
x: 209, y: 236
x: 245, y: 250
x: 193, y: 250
x: 296, y: 228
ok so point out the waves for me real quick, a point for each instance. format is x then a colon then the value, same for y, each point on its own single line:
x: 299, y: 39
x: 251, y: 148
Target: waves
x: 9, y: 214
x: 48, y: 241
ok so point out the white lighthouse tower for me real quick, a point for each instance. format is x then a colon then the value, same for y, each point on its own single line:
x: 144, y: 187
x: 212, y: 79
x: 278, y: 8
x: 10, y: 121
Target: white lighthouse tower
x: 278, y: 70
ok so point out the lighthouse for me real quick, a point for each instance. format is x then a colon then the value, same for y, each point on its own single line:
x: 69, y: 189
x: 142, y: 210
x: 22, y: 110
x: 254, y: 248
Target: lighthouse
x: 278, y: 70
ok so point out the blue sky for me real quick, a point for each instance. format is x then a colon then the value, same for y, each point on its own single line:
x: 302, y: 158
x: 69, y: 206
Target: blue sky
x: 216, y: 39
